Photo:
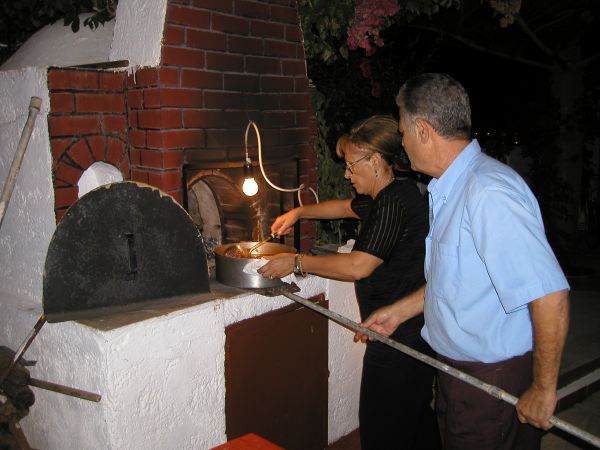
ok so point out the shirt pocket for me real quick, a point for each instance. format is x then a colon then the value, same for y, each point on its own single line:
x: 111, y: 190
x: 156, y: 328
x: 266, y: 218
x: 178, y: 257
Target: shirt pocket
x: 443, y: 280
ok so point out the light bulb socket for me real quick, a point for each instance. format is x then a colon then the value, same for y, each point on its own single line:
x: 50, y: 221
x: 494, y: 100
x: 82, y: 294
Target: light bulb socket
x: 248, y: 172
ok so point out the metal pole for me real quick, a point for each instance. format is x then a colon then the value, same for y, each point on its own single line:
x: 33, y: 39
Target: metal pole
x: 490, y: 389
x: 34, y: 109
x: 24, y: 346
x: 66, y: 390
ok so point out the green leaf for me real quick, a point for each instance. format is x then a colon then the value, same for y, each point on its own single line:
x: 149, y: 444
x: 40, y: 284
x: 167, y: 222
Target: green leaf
x: 344, y: 51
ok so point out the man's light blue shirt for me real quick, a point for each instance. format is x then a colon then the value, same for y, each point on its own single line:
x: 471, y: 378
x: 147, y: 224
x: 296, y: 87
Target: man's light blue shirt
x: 487, y: 257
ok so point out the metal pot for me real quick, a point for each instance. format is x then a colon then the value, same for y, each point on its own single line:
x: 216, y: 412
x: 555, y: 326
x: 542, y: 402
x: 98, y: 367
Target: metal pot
x: 230, y: 270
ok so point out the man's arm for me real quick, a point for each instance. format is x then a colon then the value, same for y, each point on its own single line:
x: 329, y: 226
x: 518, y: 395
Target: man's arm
x: 550, y: 318
x: 385, y: 320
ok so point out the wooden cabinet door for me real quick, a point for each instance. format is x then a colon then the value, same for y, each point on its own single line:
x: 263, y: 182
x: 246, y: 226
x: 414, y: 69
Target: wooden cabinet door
x: 276, y: 377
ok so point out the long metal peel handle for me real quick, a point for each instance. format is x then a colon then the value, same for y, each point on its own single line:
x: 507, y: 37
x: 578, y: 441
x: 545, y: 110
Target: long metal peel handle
x: 34, y: 109
x: 494, y: 391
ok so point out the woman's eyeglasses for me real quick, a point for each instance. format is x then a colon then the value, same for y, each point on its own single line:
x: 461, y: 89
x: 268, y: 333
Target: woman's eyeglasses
x: 349, y: 166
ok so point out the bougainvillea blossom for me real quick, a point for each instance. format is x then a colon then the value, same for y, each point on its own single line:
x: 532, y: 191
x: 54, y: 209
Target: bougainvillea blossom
x: 369, y: 17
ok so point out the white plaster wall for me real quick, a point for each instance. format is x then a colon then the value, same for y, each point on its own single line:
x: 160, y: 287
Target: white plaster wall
x: 29, y: 219
x: 166, y: 382
x: 345, y: 362
x: 138, y: 32
x: 162, y: 380
x: 72, y: 355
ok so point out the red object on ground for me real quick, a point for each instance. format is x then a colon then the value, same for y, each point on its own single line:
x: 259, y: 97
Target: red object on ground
x: 248, y: 442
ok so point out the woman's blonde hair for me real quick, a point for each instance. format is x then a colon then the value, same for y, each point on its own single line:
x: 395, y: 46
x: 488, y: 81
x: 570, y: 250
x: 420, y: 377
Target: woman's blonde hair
x: 376, y: 134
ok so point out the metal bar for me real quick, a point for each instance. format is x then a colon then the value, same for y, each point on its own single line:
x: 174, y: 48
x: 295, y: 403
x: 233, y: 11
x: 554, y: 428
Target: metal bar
x: 66, y: 390
x: 23, y: 348
x: 490, y: 389
x: 34, y: 109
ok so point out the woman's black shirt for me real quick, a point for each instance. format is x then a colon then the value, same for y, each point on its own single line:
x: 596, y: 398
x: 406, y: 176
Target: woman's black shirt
x: 393, y: 228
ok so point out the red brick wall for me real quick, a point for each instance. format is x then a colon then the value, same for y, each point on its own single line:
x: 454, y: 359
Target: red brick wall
x: 157, y: 137
x: 224, y: 62
x: 87, y: 123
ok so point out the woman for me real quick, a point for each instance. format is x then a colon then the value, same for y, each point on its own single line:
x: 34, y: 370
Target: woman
x: 386, y: 263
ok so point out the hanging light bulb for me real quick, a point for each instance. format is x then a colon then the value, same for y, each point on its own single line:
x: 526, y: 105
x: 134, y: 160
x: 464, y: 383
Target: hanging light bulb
x: 250, y: 187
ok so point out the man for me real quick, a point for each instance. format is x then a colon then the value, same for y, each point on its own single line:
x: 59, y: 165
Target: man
x: 495, y: 299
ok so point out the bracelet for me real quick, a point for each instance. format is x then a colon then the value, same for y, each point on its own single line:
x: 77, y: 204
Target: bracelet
x: 298, y: 265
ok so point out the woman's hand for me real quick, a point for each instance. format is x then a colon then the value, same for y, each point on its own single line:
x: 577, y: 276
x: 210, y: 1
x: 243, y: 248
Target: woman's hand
x: 278, y: 266
x: 283, y: 224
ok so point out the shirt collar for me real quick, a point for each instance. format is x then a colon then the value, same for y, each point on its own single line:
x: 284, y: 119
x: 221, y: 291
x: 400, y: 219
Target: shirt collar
x: 442, y: 187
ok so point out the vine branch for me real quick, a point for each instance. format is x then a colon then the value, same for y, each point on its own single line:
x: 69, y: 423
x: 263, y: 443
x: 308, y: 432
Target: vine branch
x: 538, y: 42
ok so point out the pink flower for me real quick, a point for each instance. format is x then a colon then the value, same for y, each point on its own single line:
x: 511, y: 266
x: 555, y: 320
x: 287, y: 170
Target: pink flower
x: 369, y: 16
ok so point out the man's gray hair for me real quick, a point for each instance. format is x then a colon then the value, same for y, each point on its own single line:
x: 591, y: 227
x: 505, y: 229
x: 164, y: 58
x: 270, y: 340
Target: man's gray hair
x: 440, y: 100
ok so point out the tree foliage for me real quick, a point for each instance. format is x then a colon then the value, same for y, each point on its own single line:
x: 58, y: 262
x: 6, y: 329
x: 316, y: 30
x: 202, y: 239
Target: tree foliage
x: 19, y: 19
x: 333, y: 28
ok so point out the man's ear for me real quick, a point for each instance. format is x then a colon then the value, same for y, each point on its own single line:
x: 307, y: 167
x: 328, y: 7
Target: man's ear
x: 422, y: 130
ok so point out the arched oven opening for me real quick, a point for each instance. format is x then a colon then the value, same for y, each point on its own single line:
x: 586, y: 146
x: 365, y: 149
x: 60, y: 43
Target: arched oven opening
x: 223, y: 214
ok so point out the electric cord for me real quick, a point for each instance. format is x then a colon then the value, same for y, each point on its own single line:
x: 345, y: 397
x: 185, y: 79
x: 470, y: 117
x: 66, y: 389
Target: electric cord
x: 262, y: 169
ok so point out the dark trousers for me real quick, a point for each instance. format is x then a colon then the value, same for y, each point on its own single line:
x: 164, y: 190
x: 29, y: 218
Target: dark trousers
x: 395, y: 401
x: 471, y: 419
